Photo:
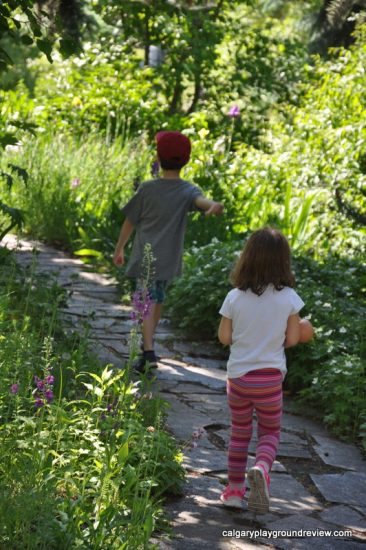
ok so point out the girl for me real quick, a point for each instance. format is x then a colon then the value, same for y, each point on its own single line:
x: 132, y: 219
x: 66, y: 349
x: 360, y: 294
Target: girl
x: 259, y: 319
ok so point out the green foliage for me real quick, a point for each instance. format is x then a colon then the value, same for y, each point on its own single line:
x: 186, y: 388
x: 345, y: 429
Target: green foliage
x: 333, y: 291
x: 89, y: 468
x: 205, y: 267
x: 75, y: 188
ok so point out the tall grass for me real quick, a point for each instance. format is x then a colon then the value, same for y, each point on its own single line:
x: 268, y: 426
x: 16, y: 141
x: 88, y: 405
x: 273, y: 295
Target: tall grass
x: 76, y: 185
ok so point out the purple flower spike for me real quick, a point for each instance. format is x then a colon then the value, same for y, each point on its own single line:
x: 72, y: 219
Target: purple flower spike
x: 48, y: 395
x: 38, y: 403
x: 141, y: 302
x: 50, y: 379
x: 234, y: 112
x: 40, y: 384
x: 14, y: 388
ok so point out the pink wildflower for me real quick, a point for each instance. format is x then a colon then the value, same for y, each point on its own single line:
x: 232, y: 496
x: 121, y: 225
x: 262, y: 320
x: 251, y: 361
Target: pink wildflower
x: 75, y: 183
x: 234, y: 112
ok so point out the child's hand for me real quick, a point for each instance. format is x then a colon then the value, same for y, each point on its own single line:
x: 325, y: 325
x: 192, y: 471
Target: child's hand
x: 118, y: 258
x: 306, y: 331
x: 215, y: 209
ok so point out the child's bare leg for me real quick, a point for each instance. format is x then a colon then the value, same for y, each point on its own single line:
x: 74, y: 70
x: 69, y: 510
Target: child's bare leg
x: 157, y: 315
x: 149, y: 326
x: 306, y: 331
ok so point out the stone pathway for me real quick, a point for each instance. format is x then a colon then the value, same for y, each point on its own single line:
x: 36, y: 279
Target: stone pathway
x: 318, y: 483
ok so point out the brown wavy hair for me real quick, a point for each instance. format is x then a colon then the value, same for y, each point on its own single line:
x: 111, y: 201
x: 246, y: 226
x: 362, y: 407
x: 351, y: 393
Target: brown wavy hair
x: 266, y: 259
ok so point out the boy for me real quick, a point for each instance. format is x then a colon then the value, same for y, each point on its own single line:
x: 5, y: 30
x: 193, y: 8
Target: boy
x: 158, y: 212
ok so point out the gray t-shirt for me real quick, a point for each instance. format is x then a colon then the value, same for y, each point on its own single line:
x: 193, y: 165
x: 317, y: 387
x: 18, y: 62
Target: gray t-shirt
x: 159, y: 213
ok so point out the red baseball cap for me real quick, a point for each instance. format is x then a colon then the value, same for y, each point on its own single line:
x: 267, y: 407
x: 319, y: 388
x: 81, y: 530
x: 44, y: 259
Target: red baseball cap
x: 173, y: 147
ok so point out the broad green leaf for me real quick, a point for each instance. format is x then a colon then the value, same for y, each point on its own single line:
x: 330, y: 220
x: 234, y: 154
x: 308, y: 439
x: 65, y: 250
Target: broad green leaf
x: 45, y: 46
x: 88, y: 252
x: 123, y: 453
x: 96, y: 377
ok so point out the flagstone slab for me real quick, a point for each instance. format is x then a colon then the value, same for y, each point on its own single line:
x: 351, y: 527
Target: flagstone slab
x: 63, y: 261
x: 116, y: 347
x: 163, y: 353
x: 84, y: 310
x: 100, y: 323
x: 300, y: 424
x: 103, y: 280
x: 77, y: 298
x: 183, y: 420
x: 70, y: 272
x: 190, y: 388
x: 199, y: 518
x: 362, y: 510
x: 198, y: 349
x: 106, y: 357
x: 337, y: 453
x: 299, y: 523
x: 293, y: 439
x: 172, y: 370
x: 212, y: 404
x: 277, y: 467
x: 105, y: 334
x: 165, y: 335
x: 288, y: 496
x: 109, y: 297
x: 205, y: 460
x: 65, y: 275
x: 344, y: 517
x: 88, y: 308
x: 93, y: 289
x: 291, y: 450
x: 205, y: 362
x: 348, y: 488
x: 115, y: 327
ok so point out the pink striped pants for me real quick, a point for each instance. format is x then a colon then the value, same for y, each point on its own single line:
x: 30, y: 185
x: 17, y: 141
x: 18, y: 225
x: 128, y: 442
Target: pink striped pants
x: 259, y: 390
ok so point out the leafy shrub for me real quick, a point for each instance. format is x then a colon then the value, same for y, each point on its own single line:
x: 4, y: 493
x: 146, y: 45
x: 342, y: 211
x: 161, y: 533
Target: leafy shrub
x: 85, y: 459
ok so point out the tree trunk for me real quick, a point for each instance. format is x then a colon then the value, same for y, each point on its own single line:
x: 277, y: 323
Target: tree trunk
x: 146, y: 37
x: 197, y: 92
x: 177, y: 94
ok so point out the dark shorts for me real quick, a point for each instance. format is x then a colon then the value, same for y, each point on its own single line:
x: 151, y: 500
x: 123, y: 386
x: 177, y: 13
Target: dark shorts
x: 157, y: 290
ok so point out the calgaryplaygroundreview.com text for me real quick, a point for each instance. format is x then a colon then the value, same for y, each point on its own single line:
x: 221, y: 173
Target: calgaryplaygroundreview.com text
x: 275, y: 534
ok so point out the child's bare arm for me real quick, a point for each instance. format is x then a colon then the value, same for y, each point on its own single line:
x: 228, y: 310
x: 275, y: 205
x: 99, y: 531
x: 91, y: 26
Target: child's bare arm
x: 125, y: 233
x: 225, y: 331
x: 210, y: 207
x: 306, y: 331
x: 299, y: 331
x: 292, y: 331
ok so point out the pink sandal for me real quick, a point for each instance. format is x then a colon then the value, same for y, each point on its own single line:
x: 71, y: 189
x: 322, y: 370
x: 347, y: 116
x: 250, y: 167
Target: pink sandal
x: 233, y: 497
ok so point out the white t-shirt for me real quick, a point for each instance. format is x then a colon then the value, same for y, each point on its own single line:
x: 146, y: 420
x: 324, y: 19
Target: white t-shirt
x: 259, y: 327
